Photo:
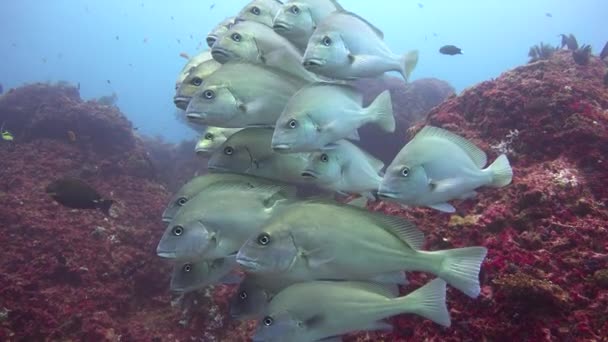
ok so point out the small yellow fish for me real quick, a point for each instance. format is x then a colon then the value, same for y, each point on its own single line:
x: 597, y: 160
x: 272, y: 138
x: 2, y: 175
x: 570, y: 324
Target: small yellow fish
x: 7, y: 136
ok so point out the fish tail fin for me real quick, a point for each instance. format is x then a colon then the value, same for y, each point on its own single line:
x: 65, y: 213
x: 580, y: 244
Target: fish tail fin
x: 460, y: 267
x: 501, y: 171
x: 382, y: 110
x: 105, y: 206
x: 408, y: 63
x: 429, y: 302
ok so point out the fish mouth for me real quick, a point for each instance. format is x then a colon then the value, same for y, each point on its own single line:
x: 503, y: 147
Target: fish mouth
x: 221, y: 55
x: 211, y: 40
x: 248, y: 263
x: 281, y: 147
x: 195, y: 116
x: 181, y: 102
x: 312, y: 63
x: 387, y: 194
x: 201, y: 151
x: 310, y: 174
x: 166, y: 254
x: 281, y: 27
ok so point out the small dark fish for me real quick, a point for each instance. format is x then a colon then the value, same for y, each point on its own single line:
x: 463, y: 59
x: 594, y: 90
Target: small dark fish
x: 1, y: 89
x: 108, y: 82
x: 212, y: 6
x: 191, y: 37
x: 78, y: 85
x: 179, y: 41
x: 549, y: 15
x: 434, y: 34
x: 43, y: 59
x: 117, y: 38
x: 420, y: 5
x: 450, y: 50
x: 14, y: 44
x: 76, y: 194
x: 172, y: 18
x: 604, y: 52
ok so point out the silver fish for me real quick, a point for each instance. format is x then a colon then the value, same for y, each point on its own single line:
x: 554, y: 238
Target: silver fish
x: 242, y: 94
x: 216, y: 222
x: 250, y: 41
x: 191, y: 276
x: 261, y: 11
x: 317, y: 310
x: 194, y: 79
x: 437, y: 166
x: 219, y: 30
x: 190, y: 64
x: 345, y: 169
x: 323, y: 240
x: 248, y: 152
x: 321, y: 113
x: 346, y: 46
x: 197, y: 184
x: 297, y: 19
x: 212, y: 139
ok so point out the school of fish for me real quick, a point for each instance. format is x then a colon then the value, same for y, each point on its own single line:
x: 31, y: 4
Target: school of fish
x: 279, y: 117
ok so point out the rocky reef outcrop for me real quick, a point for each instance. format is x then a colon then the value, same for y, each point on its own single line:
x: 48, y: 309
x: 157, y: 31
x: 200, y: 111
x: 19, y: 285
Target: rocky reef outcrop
x: 72, y: 274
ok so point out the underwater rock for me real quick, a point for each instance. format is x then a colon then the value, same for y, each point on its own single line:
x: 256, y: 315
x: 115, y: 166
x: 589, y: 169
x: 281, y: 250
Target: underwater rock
x: 546, y: 233
x: 411, y: 102
x: 71, y: 274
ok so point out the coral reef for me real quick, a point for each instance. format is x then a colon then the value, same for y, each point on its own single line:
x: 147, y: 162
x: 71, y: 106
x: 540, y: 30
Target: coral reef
x: 79, y: 275
x: 541, y: 51
x: 545, y: 274
x: 411, y: 102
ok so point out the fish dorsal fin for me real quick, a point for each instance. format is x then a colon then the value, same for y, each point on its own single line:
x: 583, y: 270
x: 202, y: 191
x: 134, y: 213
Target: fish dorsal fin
x: 403, y: 229
x: 475, y: 153
x: 374, y: 28
x: 386, y: 290
x: 337, y: 5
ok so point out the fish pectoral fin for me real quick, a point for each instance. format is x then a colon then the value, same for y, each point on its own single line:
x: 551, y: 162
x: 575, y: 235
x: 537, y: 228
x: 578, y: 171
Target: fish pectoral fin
x: 314, y: 321
x: 444, y: 207
x: 444, y: 185
x: 329, y: 146
x: 319, y: 256
x: 354, y: 135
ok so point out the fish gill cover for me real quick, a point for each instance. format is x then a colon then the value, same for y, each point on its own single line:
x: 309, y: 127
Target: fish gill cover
x: 77, y: 274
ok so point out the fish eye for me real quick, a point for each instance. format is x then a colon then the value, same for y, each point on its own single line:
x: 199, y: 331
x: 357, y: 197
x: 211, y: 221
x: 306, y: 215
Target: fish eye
x: 243, y: 295
x: 267, y: 321
x: 187, y: 268
x: 263, y: 239
x: 295, y: 9
x: 405, y: 171
x: 236, y: 37
x: 255, y: 10
x: 177, y: 230
x: 209, y: 94
x: 293, y: 123
x: 228, y: 151
x: 208, y: 136
x: 324, y: 158
x: 197, y: 81
x: 326, y: 41
x: 181, y: 201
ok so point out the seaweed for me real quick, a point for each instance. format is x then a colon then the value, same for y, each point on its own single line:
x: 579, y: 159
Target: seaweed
x: 581, y: 56
x: 541, y: 51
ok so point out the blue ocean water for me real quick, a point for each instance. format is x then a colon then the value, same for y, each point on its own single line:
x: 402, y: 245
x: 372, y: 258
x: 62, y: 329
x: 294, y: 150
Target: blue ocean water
x: 132, y: 47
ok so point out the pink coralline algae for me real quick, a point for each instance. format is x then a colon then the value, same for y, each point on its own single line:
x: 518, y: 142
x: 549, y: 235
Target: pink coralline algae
x: 80, y: 275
